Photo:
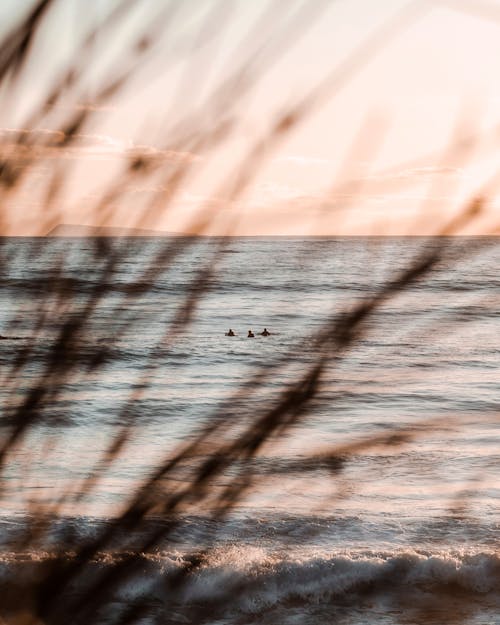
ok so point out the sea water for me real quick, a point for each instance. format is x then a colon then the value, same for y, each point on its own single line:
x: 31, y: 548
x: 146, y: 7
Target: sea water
x: 402, y: 532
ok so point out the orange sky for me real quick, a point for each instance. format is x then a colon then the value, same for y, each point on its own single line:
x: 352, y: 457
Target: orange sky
x: 402, y: 83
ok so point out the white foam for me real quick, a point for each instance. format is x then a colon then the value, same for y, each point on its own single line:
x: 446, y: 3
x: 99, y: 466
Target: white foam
x: 266, y: 581
x: 249, y: 579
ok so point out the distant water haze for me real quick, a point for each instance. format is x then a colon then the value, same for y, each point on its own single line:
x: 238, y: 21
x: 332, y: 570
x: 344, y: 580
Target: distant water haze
x: 75, y: 230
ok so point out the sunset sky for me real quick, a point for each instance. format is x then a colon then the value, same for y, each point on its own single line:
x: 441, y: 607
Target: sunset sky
x: 401, y: 83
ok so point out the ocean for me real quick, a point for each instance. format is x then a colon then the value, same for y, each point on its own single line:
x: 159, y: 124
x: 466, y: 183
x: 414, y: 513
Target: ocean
x: 369, y: 494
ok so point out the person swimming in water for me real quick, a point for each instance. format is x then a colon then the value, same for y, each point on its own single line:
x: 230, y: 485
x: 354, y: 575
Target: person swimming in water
x: 230, y: 333
x: 251, y: 335
x: 265, y: 333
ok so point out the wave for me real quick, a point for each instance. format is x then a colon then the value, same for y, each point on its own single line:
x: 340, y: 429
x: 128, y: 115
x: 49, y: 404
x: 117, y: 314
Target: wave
x: 236, y: 581
x: 269, y: 580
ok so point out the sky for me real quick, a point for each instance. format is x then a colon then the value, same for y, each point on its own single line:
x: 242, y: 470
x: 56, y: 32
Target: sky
x: 256, y: 118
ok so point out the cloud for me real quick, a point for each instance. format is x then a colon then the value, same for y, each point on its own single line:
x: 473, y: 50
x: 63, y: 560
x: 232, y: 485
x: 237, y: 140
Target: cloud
x: 20, y: 136
x: 434, y: 171
x: 415, y: 173
x: 20, y: 143
x: 171, y: 156
x: 269, y: 192
x: 304, y: 161
x: 90, y: 106
x: 140, y: 189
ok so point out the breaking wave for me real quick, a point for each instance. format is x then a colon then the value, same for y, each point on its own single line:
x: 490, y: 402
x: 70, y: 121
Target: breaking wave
x: 267, y: 580
x: 245, y: 582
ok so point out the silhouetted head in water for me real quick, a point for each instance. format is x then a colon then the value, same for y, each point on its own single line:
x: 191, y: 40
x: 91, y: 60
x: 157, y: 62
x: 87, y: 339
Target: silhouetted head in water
x: 250, y: 334
x: 230, y: 333
x: 265, y: 333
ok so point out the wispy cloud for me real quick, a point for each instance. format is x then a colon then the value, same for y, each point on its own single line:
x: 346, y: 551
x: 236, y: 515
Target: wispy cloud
x: 95, y: 108
x: 415, y: 173
x: 46, y: 143
x: 12, y: 137
x: 304, y: 161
